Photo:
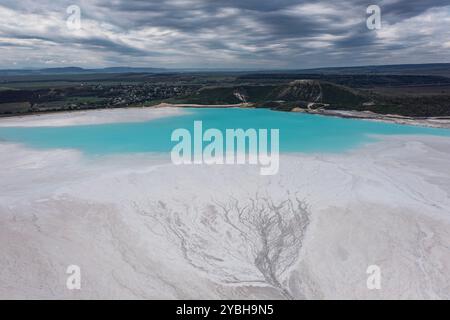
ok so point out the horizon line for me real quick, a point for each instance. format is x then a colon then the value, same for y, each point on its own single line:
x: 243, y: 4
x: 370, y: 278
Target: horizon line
x: 221, y: 68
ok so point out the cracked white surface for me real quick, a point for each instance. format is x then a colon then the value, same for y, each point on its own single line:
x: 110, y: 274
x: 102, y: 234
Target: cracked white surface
x: 140, y: 227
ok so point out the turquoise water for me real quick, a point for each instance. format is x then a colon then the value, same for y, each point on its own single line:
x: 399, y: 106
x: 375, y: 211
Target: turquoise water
x: 298, y: 132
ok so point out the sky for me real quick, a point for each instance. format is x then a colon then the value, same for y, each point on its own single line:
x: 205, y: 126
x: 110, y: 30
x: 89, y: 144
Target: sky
x: 244, y: 34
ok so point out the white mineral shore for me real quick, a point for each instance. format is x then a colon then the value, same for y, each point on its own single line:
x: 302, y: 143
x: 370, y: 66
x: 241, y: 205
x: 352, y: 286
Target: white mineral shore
x: 433, y: 122
x: 140, y: 227
x: 192, y: 105
x: 98, y: 116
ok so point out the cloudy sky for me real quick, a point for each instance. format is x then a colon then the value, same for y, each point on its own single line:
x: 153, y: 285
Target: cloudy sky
x: 222, y: 33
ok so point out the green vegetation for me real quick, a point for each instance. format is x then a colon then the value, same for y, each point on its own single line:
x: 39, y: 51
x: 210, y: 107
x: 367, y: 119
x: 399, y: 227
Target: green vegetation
x: 419, y: 95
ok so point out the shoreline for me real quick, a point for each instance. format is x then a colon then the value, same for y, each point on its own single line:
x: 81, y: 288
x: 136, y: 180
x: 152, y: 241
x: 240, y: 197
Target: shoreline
x: 200, y: 106
x: 90, y: 117
x: 11, y: 120
x: 432, y: 122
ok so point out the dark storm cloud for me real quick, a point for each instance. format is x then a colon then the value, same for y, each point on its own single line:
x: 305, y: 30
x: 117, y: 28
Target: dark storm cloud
x: 105, y: 44
x: 411, y: 8
x: 292, y: 33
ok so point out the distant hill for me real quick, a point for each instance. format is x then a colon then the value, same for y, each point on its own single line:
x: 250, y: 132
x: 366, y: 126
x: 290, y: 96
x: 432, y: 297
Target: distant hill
x: 313, y: 94
x: 434, y: 69
x: 77, y: 70
x: 437, y: 69
x: 351, y: 80
x: 299, y: 91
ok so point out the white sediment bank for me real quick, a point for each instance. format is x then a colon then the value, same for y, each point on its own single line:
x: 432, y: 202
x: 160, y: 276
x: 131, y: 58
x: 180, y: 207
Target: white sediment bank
x: 140, y: 227
x: 432, y: 122
x: 99, y: 116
